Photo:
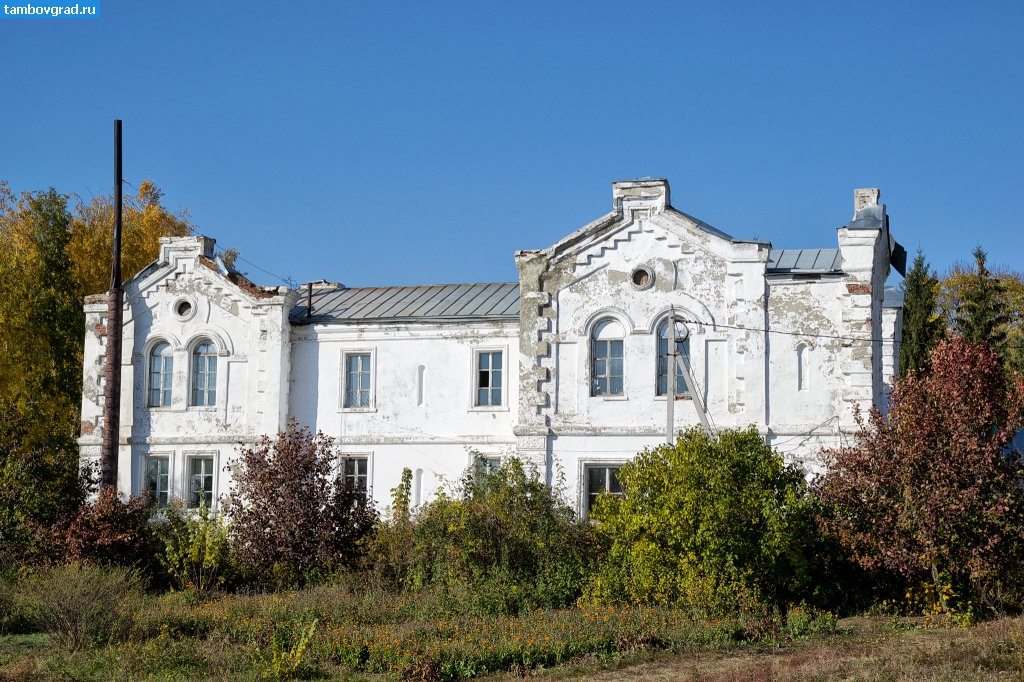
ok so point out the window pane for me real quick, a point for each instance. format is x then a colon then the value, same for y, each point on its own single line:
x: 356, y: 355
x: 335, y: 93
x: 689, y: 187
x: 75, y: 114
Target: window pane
x: 616, y: 386
x: 616, y: 369
x: 364, y: 399
x: 364, y: 380
x: 600, y: 386
x: 481, y: 396
x: 601, y: 368
x: 496, y: 361
x: 484, y: 379
x: 616, y: 348
x: 496, y: 396
x: 483, y: 361
x: 600, y: 349
x: 613, y: 481
x: 496, y: 378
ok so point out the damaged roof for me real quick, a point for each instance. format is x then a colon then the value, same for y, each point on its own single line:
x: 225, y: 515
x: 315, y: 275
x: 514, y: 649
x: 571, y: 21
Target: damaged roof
x: 818, y: 261
x: 429, y: 303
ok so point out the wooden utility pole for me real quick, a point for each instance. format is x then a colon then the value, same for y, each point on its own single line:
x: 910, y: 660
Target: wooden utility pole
x: 115, y: 301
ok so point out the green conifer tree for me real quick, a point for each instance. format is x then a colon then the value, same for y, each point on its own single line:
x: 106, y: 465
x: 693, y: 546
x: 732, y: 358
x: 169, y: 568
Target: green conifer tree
x: 923, y: 327
x: 981, y: 315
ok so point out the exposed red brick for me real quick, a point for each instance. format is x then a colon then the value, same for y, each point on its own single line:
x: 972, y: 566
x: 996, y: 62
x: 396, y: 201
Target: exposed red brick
x: 241, y: 282
x: 87, y: 428
x: 859, y: 288
x: 101, y: 329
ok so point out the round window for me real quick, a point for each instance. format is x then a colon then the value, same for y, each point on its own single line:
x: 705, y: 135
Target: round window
x: 184, y: 309
x: 641, y: 278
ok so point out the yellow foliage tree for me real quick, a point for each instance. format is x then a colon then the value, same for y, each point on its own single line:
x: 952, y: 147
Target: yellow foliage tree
x: 144, y: 221
x: 951, y: 299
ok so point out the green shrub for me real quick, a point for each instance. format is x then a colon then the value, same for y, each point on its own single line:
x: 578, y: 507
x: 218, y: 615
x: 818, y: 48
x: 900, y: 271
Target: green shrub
x: 504, y: 537
x: 708, y: 523
x: 79, y: 605
x: 197, y: 549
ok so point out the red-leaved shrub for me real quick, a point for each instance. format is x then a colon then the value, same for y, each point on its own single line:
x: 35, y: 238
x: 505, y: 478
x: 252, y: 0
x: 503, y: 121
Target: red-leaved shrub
x: 291, y: 512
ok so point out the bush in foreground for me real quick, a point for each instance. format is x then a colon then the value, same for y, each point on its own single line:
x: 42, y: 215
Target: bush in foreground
x: 79, y: 605
x: 712, y: 524
x: 503, y: 536
x: 931, y: 491
x: 290, y: 513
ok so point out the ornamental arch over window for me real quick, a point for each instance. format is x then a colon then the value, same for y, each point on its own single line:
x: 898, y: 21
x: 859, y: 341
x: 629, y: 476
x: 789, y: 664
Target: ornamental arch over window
x: 606, y: 352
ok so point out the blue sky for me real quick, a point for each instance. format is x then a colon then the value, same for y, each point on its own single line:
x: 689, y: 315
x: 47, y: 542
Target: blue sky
x: 424, y: 142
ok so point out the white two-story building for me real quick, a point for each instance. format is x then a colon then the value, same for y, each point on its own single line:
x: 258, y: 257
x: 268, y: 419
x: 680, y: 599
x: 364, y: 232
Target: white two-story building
x: 566, y: 368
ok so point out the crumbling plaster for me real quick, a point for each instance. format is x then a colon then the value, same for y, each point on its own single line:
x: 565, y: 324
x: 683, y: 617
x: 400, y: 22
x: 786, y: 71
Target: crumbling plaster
x: 749, y: 330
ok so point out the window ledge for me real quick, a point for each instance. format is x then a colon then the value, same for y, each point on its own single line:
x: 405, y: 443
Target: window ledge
x: 357, y: 409
x: 611, y: 397
x: 681, y: 396
x: 489, y: 408
x: 201, y: 408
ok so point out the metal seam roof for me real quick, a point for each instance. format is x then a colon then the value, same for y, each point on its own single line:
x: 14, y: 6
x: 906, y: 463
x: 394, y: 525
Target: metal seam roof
x: 804, y: 260
x: 435, y: 303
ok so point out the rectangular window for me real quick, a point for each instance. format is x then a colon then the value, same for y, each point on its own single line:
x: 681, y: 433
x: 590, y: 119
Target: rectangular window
x: 599, y: 479
x: 200, y: 487
x: 355, y: 473
x: 487, y: 465
x: 607, y: 369
x: 357, y: 380
x: 157, y: 479
x: 488, y: 379
x: 664, y: 360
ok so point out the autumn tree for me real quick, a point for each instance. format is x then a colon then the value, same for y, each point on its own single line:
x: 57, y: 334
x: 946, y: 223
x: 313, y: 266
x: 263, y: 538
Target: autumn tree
x: 144, y: 221
x: 931, y: 487
x: 41, y: 329
x: 291, y: 512
x: 51, y: 255
x: 986, y: 305
x: 923, y: 326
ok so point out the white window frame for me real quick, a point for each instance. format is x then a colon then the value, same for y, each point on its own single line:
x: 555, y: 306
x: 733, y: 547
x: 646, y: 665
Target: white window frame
x: 186, y: 476
x: 362, y: 454
x: 583, y: 479
x: 680, y: 395
x: 147, y: 360
x: 474, y: 377
x: 591, y: 340
x: 143, y: 471
x: 344, y: 468
x: 220, y: 390
x: 343, y: 379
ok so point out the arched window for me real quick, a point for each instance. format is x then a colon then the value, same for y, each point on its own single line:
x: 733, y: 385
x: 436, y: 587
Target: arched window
x: 161, y: 374
x: 606, y: 371
x: 204, y: 374
x: 665, y: 361
x: 802, y: 366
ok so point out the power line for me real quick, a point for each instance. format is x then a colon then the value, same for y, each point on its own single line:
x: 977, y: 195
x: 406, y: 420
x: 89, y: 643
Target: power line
x: 809, y: 334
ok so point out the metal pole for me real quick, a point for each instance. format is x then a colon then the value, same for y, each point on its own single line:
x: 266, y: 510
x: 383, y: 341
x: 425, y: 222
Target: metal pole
x: 698, y: 400
x: 112, y: 387
x: 670, y: 379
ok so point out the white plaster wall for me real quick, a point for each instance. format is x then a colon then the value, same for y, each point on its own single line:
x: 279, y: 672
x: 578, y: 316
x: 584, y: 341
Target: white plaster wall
x: 396, y: 431
x: 248, y: 332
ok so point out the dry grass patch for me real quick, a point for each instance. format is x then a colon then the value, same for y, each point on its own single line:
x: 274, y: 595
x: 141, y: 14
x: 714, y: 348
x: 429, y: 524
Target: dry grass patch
x: 865, y: 650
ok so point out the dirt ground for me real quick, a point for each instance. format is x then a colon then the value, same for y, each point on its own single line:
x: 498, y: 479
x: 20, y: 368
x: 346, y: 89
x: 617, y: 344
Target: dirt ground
x: 865, y: 649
